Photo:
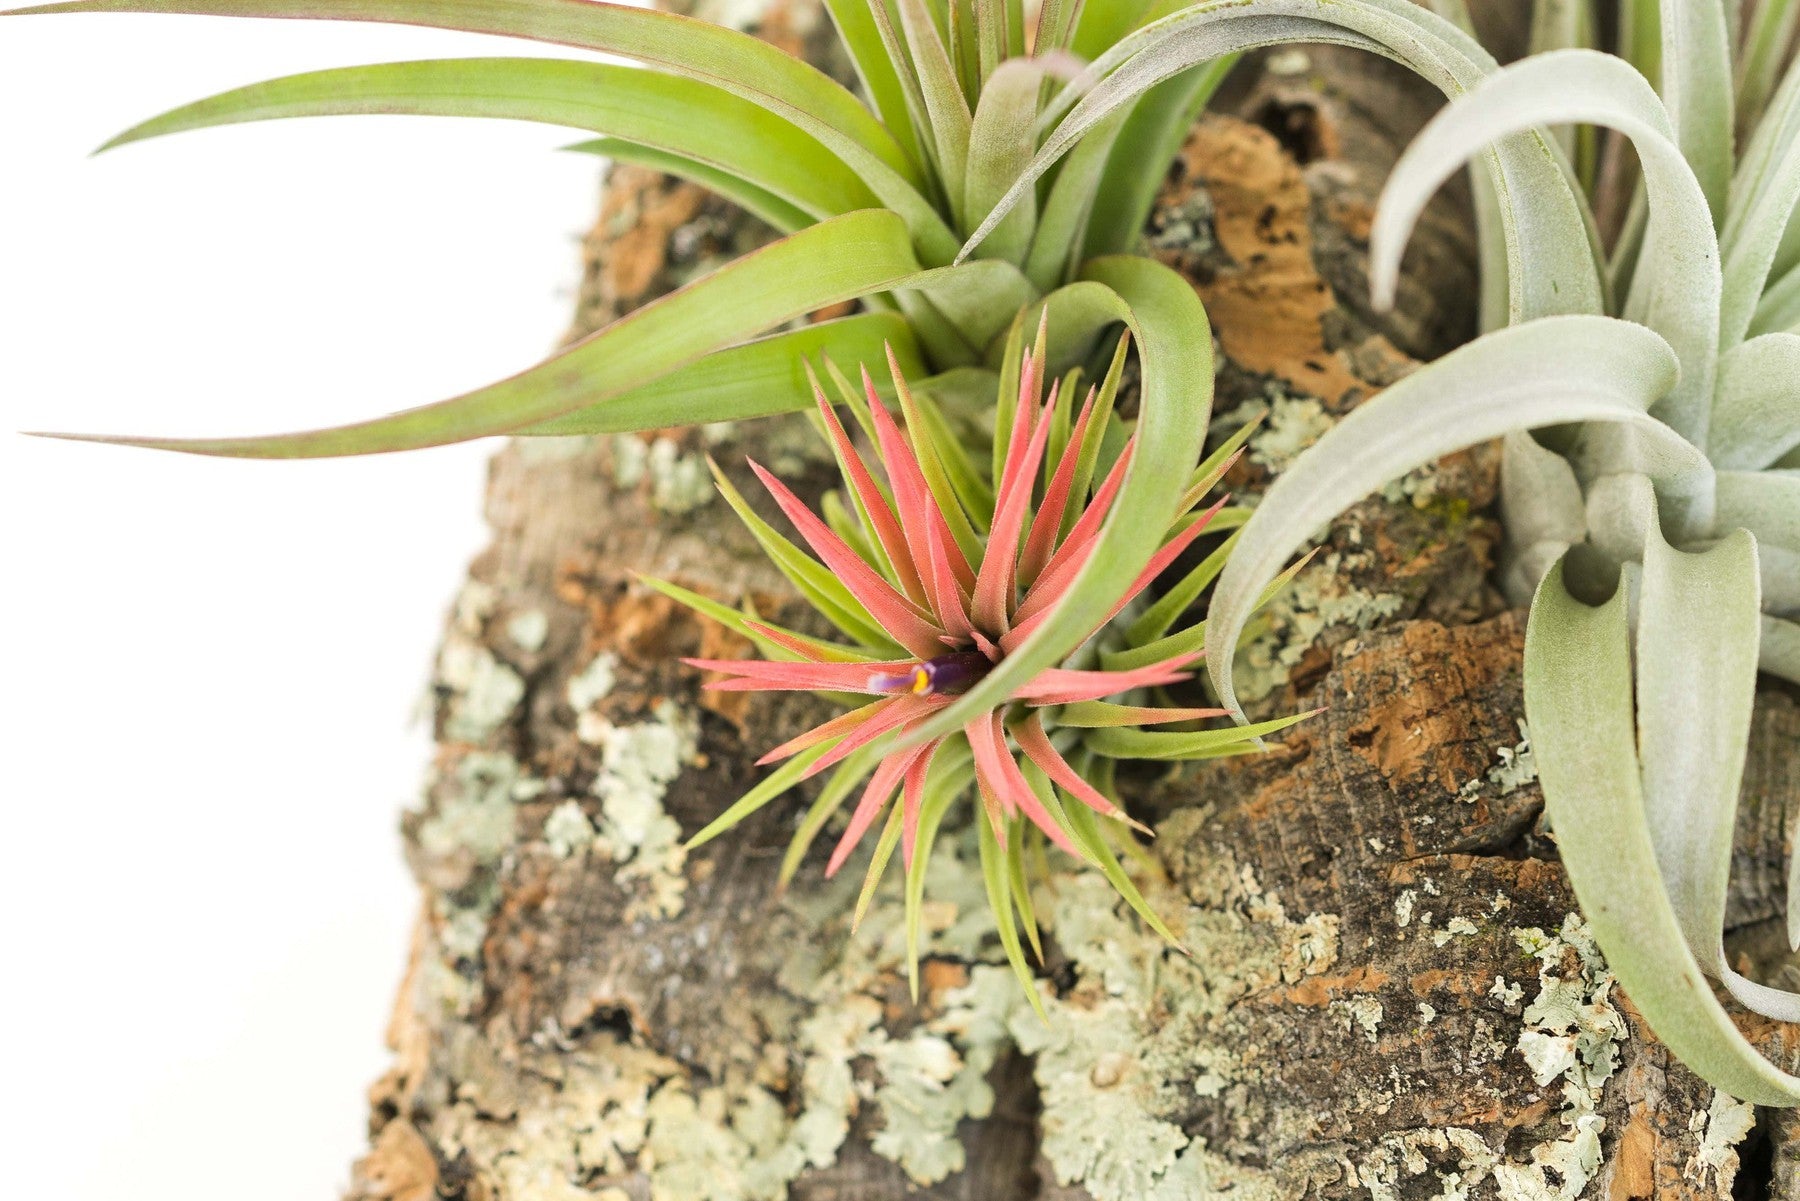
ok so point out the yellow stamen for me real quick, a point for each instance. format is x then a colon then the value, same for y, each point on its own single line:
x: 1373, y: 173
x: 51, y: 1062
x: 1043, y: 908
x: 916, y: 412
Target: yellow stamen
x: 921, y: 680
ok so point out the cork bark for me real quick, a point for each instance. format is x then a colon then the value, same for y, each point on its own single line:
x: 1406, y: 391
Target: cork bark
x: 1391, y: 994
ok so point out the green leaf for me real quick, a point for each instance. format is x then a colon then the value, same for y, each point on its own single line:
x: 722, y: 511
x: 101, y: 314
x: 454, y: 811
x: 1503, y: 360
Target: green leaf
x: 1138, y: 159
x: 743, y: 65
x: 1170, y: 329
x: 1056, y: 252
x: 772, y: 786
x: 951, y: 773
x: 837, y: 260
x: 1763, y: 195
x: 739, y: 622
x: 1001, y: 139
x: 1676, y: 290
x: 1779, y: 655
x: 756, y: 379
x: 844, y: 780
x: 946, y: 109
x: 1767, y: 503
x: 1156, y: 620
x: 880, y: 74
x: 1766, y: 44
x: 1554, y: 370
x: 1578, y: 700
x: 1084, y: 825
x: 682, y: 117
x: 778, y: 213
x: 823, y: 590
x: 1124, y: 742
x: 993, y: 873
x: 1525, y: 165
x: 884, y: 851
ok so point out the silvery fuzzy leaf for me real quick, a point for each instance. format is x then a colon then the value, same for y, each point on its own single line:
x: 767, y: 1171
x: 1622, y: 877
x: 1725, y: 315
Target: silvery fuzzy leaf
x: 1756, y: 404
x: 1397, y: 29
x: 1675, y: 290
x: 1697, y: 632
x: 1764, y: 192
x: 1578, y: 699
x: 1553, y: 370
x: 1696, y: 89
x: 1767, y: 503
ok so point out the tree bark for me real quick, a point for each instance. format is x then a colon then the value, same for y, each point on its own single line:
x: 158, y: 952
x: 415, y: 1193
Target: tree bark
x: 1391, y: 993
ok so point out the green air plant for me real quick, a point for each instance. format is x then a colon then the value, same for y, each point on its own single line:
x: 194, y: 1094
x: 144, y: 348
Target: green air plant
x: 936, y: 577
x: 969, y: 186
x: 1651, y: 486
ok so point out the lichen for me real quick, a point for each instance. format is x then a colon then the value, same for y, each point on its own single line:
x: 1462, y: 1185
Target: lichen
x: 1319, y: 597
x: 568, y: 830
x: 1572, y: 1033
x: 1145, y: 1029
x: 483, y: 692
x: 1516, y: 767
x: 1723, y: 1126
x: 528, y: 629
x: 638, y: 763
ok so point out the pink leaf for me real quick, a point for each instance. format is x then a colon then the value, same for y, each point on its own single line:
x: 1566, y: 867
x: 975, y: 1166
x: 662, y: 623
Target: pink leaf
x: 881, y: 517
x: 910, y: 626
x: 1036, y: 745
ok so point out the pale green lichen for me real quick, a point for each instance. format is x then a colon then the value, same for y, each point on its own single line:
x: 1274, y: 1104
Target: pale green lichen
x: 483, y: 692
x: 1318, y: 598
x: 638, y: 763
x: 679, y: 481
x: 528, y: 630
x: 1515, y: 768
x: 1143, y: 1018
x: 1722, y: 1127
x: 475, y: 813
x: 567, y: 830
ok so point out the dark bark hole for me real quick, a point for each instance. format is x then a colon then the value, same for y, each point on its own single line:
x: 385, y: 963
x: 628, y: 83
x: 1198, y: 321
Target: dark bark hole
x: 1303, y: 131
x: 1756, y: 1166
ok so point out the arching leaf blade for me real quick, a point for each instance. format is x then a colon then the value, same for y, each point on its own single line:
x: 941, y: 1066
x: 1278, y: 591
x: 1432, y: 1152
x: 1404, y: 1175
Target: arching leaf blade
x: 676, y: 115
x: 837, y: 260
x: 1557, y: 369
x: 1578, y: 699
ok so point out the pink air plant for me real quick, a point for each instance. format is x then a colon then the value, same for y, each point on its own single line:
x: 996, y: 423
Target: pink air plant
x: 957, y: 618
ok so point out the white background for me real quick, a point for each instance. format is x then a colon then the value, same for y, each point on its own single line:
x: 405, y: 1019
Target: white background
x: 209, y: 667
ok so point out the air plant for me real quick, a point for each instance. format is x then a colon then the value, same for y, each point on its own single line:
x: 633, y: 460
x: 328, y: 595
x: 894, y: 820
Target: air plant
x: 977, y: 179
x: 936, y: 577
x: 1651, y: 475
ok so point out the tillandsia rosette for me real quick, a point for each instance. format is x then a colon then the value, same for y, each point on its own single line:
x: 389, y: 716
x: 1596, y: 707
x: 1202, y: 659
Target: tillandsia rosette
x: 1651, y: 467
x: 935, y: 578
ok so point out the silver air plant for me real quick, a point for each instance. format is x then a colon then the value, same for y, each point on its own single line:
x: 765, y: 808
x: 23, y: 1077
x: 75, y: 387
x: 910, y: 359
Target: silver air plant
x: 1649, y: 404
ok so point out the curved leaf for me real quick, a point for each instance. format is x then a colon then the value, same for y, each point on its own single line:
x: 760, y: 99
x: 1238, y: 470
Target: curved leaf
x: 1001, y: 139
x: 756, y: 379
x: 1556, y: 369
x: 837, y: 260
x: 1554, y: 221
x: 1677, y: 288
x: 1756, y: 405
x: 1696, y: 88
x: 779, y: 214
x: 1698, y: 627
x: 664, y: 112
x: 1763, y: 195
x: 1169, y: 327
x: 1139, y: 156
x: 1767, y: 503
x: 1578, y: 700
x: 702, y: 50
x: 1779, y: 655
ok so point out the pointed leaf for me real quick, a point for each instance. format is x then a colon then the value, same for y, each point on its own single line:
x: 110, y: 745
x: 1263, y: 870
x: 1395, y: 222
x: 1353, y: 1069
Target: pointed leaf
x: 1558, y: 369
